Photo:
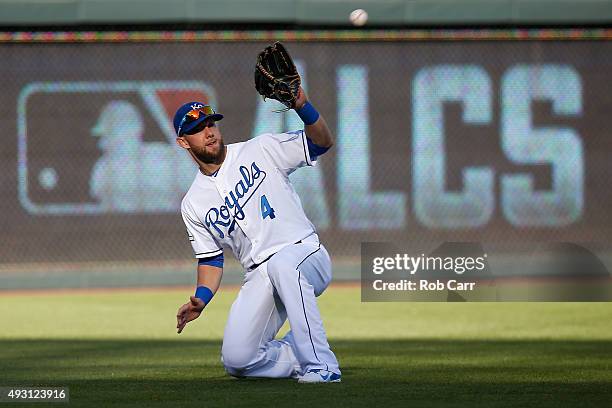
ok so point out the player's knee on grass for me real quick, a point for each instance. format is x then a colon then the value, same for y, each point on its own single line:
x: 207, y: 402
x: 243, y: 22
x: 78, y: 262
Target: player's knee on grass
x: 236, y: 357
x: 233, y: 372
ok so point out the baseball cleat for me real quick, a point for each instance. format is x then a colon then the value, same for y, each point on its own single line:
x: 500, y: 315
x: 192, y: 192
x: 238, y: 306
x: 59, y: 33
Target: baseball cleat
x: 320, y: 376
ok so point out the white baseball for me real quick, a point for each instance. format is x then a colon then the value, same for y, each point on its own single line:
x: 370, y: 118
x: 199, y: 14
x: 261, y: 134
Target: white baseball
x: 359, y: 17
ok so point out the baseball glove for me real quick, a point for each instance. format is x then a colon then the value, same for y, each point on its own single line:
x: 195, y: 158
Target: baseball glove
x: 276, y: 76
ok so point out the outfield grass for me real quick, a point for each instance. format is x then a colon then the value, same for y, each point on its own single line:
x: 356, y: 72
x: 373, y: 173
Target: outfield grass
x: 120, y: 348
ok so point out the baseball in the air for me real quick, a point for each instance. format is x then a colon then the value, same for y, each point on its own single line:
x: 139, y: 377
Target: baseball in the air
x: 358, y: 17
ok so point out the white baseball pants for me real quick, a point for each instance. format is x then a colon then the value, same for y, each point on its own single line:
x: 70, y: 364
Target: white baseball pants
x: 284, y: 287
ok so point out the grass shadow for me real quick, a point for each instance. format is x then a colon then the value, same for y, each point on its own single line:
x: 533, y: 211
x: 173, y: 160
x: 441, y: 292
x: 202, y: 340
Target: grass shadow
x: 419, y: 373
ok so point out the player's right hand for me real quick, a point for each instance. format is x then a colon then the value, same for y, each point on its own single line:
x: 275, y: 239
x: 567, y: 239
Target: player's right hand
x: 188, y: 312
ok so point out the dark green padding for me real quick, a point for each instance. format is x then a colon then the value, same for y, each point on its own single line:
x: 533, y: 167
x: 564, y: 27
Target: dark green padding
x: 333, y: 12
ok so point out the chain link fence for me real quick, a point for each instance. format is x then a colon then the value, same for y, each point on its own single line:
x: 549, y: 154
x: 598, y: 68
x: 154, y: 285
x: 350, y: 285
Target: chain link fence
x: 501, y: 142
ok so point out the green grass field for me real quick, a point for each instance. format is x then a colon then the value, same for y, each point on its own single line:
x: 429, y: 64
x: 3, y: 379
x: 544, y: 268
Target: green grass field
x: 120, y: 348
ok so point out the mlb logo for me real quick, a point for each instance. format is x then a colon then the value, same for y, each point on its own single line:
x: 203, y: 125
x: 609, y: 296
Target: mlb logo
x: 103, y: 147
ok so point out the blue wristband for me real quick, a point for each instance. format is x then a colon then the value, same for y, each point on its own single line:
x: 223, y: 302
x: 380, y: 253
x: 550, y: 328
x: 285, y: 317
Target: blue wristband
x: 308, y: 114
x: 204, y: 293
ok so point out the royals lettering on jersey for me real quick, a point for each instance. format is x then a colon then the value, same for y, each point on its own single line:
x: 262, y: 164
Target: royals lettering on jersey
x: 250, y: 206
x: 228, y: 213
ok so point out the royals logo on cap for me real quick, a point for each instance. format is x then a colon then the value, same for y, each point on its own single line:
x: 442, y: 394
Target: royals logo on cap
x: 191, y: 114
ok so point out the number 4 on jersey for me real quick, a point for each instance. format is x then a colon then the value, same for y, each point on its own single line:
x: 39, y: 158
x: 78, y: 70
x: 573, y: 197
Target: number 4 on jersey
x: 266, y: 210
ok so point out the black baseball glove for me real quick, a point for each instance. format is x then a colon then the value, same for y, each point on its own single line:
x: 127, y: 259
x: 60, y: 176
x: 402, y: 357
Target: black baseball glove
x: 276, y: 76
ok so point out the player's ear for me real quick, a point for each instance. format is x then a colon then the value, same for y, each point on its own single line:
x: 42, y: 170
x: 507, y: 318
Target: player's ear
x: 182, y: 142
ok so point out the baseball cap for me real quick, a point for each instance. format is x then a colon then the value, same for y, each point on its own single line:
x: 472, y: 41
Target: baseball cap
x: 182, y: 121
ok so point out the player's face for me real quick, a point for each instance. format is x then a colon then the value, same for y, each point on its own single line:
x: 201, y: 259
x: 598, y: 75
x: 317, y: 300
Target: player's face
x: 207, y: 144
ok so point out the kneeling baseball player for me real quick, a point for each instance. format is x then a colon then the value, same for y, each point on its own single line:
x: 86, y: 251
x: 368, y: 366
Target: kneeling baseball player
x: 241, y: 198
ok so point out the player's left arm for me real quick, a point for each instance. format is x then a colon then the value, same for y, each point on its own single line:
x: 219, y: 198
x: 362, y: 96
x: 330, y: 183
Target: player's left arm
x: 315, y: 126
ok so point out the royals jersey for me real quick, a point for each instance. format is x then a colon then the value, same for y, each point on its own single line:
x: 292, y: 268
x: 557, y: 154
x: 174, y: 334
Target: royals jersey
x: 249, y: 205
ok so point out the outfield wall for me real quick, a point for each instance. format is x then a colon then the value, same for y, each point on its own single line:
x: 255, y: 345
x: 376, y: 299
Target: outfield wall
x: 304, y: 12
x: 492, y: 141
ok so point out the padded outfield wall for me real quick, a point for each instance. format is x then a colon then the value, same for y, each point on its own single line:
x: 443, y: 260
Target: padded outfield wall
x: 499, y: 137
x: 305, y: 12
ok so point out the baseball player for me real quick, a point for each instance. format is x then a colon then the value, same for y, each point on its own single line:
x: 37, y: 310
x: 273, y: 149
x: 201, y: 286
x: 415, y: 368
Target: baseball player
x: 242, y: 199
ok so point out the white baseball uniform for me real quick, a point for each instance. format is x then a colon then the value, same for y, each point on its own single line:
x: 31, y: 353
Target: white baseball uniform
x: 250, y: 206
